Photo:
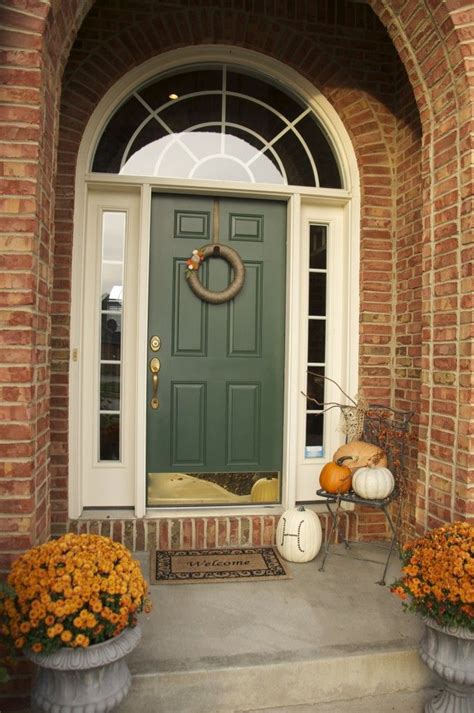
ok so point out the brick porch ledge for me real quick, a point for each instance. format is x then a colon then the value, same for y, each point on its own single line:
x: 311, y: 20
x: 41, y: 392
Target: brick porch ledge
x: 213, y: 532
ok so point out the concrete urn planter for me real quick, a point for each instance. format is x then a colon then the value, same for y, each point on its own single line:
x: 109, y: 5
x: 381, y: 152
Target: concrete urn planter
x: 449, y: 652
x: 87, y: 680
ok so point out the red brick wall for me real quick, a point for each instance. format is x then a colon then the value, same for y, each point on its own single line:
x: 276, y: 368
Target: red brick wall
x: 25, y: 261
x: 342, y: 48
x: 33, y: 43
x: 406, y: 287
x: 434, y: 41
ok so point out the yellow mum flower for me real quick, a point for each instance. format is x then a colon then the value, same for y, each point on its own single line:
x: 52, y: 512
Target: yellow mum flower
x: 82, y: 640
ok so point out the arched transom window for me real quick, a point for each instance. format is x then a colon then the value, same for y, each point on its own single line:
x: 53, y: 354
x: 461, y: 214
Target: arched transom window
x: 217, y: 123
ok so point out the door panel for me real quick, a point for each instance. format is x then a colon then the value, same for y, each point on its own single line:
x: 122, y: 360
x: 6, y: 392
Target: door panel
x: 188, y: 424
x: 221, y: 379
x: 189, y: 316
x: 243, y: 424
x: 245, y: 315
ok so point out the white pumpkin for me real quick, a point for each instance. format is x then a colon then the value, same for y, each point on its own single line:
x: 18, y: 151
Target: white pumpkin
x: 373, y: 483
x: 299, y: 535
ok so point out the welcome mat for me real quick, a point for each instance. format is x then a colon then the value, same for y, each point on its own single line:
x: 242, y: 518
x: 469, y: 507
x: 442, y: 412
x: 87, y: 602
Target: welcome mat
x: 244, y: 564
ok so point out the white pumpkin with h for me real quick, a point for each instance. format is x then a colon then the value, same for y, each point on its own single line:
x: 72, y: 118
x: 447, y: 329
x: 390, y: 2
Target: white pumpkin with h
x: 299, y: 535
x: 373, y: 482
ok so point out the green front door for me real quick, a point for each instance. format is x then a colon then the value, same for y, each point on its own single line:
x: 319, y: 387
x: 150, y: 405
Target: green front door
x: 219, y: 392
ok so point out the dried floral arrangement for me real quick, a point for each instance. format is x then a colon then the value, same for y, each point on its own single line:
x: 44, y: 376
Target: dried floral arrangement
x: 378, y: 424
x: 75, y: 591
x: 352, y: 413
x: 438, y: 575
x: 390, y: 430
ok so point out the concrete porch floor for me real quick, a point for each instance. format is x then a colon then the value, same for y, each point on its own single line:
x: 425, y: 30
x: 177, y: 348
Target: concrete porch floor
x: 328, y: 641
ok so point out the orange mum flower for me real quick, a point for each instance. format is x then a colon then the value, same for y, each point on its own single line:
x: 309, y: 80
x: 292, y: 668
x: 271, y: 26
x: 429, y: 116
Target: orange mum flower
x: 437, y: 578
x: 66, y: 585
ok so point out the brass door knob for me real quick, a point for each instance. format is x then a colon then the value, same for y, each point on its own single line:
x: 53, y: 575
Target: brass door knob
x: 155, y: 366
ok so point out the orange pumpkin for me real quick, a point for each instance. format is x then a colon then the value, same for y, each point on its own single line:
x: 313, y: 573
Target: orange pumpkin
x: 336, y: 477
x: 361, y: 454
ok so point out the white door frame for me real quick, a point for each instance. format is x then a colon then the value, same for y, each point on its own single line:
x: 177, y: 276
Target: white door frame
x: 299, y: 202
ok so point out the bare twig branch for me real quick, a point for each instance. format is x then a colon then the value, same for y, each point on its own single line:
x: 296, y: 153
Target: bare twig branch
x: 327, y: 378
x: 323, y: 403
x: 330, y: 405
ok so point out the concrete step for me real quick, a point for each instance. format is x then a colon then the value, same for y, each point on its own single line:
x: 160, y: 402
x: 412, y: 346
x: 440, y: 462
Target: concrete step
x: 328, y: 683
x: 326, y: 641
x: 401, y: 702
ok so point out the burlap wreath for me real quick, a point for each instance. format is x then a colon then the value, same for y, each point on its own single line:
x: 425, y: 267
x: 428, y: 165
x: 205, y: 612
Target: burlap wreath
x: 234, y: 260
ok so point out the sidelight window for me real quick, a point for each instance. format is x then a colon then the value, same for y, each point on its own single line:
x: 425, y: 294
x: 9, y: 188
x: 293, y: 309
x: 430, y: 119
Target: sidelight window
x: 110, y: 357
x: 316, y: 358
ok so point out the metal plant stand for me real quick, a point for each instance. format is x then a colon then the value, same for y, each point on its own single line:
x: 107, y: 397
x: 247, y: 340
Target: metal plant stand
x: 333, y: 504
x: 387, y: 428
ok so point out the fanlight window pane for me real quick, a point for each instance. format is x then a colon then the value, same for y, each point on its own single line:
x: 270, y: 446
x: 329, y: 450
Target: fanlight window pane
x: 185, y: 126
x: 202, y: 80
x: 267, y: 93
x: 314, y: 137
x: 198, y: 154
x: 114, y: 140
x: 245, y: 112
x: 296, y: 160
x: 183, y: 113
x: 150, y: 133
x: 221, y: 167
